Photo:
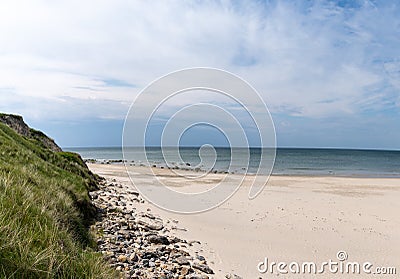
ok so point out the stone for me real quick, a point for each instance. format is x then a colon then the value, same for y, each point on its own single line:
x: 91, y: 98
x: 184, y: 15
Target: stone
x: 133, y: 257
x: 200, y: 258
x: 174, y: 240
x: 93, y: 195
x: 196, y: 276
x: 191, y: 242
x: 203, y: 267
x: 122, y: 258
x: 232, y: 276
x: 137, y: 244
x: 157, y: 226
x: 182, y: 260
x: 158, y: 239
x: 185, y: 270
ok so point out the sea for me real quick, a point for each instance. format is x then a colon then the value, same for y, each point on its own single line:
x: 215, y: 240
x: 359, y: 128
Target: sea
x: 288, y: 161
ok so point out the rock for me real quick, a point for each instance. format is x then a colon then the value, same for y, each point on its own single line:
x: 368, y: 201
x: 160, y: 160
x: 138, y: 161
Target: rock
x: 137, y: 244
x: 191, y: 242
x: 174, y: 240
x: 185, y: 270
x: 232, y: 276
x: 122, y: 258
x: 196, y: 276
x: 149, y: 215
x: 200, y: 258
x: 133, y: 257
x: 203, y: 267
x: 158, y: 239
x: 182, y: 260
x: 157, y: 226
x: 131, y: 192
x: 93, y: 195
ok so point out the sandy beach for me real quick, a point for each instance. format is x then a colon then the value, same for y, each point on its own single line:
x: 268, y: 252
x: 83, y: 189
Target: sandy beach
x: 294, y: 219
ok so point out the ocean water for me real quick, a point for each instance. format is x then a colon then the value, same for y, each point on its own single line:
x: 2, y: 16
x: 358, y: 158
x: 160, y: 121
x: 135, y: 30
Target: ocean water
x: 288, y: 161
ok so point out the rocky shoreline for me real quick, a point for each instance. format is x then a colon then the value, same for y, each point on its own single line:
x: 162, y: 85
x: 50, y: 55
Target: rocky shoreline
x: 137, y: 243
x: 175, y: 166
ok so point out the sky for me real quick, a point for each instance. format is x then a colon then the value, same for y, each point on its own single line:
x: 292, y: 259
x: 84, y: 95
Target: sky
x: 328, y: 71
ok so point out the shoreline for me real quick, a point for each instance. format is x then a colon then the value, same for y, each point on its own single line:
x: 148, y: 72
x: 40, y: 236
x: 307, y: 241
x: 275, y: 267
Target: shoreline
x: 291, y: 219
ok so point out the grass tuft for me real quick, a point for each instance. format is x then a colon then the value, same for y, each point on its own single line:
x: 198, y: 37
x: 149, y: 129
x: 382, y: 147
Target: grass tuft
x: 45, y: 212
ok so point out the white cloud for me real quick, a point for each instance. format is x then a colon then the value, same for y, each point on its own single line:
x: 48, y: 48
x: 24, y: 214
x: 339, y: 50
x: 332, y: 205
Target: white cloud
x: 305, y: 59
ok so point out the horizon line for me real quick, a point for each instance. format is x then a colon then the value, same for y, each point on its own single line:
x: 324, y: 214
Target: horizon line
x: 278, y: 147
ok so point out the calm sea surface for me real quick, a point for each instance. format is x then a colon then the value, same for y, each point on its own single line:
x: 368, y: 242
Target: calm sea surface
x: 289, y: 161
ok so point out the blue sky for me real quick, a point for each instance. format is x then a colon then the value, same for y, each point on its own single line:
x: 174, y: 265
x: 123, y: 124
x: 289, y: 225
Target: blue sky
x: 329, y: 71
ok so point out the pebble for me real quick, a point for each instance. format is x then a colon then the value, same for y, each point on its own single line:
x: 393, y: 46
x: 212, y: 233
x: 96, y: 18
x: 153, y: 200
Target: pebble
x: 232, y: 276
x: 203, y: 267
x: 182, y: 260
x: 196, y: 276
x: 185, y: 270
x: 136, y: 243
x: 122, y: 258
x: 158, y: 239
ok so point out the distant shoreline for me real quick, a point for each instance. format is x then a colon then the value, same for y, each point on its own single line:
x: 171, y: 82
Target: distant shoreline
x: 366, y: 176
x: 286, y: 162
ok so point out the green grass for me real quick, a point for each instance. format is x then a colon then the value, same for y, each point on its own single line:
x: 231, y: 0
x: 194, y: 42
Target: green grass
x: 45, y: 212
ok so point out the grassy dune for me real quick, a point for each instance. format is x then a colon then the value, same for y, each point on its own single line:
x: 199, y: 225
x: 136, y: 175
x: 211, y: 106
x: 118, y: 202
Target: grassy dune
x: 45, y: 212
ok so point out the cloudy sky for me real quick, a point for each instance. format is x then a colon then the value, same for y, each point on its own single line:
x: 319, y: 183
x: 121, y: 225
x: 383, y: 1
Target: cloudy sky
x: 329, y: 71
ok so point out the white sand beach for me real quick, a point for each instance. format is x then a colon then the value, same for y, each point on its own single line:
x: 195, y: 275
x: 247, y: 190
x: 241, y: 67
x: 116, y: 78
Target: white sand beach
x: 295, y: 218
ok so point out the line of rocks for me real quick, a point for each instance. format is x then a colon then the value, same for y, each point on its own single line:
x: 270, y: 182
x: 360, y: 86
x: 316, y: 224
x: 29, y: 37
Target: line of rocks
x: 139, y: 244
x: 173, y: 166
